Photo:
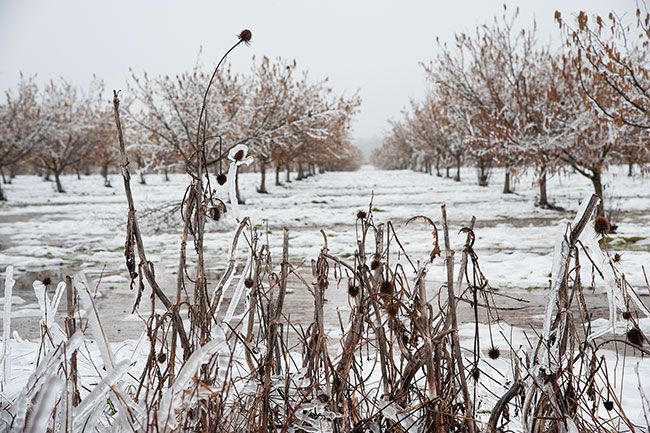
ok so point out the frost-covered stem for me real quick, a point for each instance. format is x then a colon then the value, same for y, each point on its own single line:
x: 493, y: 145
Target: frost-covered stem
x: 146, y: 269
x: 70, y: 329
x: 6, y: 325
x: 452, y: 323
x: 240, y: 200
x: 276, y: 315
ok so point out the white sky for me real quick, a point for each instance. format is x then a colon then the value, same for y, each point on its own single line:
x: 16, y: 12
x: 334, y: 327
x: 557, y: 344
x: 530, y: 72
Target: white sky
x: 374, y: 46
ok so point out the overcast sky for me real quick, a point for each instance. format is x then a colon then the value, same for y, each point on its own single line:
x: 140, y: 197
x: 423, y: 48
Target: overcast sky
x: 373, y: 46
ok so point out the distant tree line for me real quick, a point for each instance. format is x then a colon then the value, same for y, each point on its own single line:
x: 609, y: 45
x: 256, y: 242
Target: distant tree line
x: 288, y: 121
x: 500, y: 98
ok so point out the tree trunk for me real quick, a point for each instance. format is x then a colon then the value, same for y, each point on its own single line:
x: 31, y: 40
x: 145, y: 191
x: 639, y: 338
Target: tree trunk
x: 262, y: 188
x: 107, y: 181
x: 166, y: 173
x: 57, y: 179
x: 438, y: 167
x: 482, y: 172
x: 301, y: 174
x: 288, y: 176
x: 143, y: 181
x: 630, y: 168
x: 457, y: 177
x: 2, y: 194
x: 448, y: 169
x: 78, y: 173
x: 543, y: 197
x: 506, y: 182
x: 277, y: 175
x: 4, y: 179
x: 596, y: 179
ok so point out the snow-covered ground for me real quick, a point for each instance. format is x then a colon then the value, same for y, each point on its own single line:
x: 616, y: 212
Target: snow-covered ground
x: 43, y: 233
x: 46, y: 233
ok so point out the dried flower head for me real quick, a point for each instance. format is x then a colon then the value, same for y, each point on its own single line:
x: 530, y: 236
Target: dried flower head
x: 392, y: 309
x: 221, y: 178
x: 353, y: 290
x: 362, y: 215
x: 47, y: 281
x: 246, y: 36
x: 635, y: 336
x: 476, y: 373
x: 248, y: 282
x: 239, y: 155
x: 162, y: 357
x: 601, y: 225
x: 387, y: 287
x: 375, y: 264
x: 627, y: 315
x: 494, y: 352
x: 609, y: 405
x: 617, y: 258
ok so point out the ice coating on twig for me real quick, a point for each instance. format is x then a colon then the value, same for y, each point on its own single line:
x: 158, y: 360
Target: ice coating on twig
x: 236, y: 159
x: 175, y: 397
x: 86, y: 414
x: 6, y: 324
x: 87, y: 303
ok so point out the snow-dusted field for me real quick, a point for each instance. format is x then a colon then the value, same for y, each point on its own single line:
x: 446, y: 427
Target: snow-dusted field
x: 48, y: 234
x: 45, y: 233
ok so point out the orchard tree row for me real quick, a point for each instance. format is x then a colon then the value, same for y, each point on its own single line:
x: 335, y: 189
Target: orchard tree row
x: 500, y: 98
x: 287, y: 120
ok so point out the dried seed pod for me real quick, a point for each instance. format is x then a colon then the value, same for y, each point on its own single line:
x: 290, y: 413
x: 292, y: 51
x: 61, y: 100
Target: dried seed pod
x: 601, y: 225
x: 248, y: 282
x: 353, y: 290
x: 362, y: 215
x: 392, y: 309
x: 609, y: 405
x: 47, y: 281
x: 161, y: 358
x: 387, y: 288
x: 627, y: 315
x: 375, y: 264
x: 494, y: 352
x: 476, y: 373
x: 221, y: 178
x: 635, y: 336
x: 216, y: 212
x: 245, y: 36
